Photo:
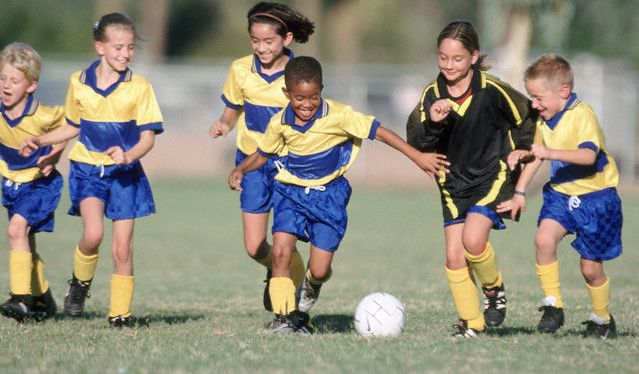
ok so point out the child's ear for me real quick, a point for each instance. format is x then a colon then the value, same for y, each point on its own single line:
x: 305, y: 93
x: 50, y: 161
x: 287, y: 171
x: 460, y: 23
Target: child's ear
x: 99, y: 48
x: 286, y: 93
x: 32, y: 87
x: 565, y: 91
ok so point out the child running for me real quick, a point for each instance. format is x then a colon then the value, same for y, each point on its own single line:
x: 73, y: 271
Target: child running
x: 580, y: 198
x: 252, y: 94
x: 31, y: 187
x: 322, y: 137
x: 476, y: 120
x: 115, y: 115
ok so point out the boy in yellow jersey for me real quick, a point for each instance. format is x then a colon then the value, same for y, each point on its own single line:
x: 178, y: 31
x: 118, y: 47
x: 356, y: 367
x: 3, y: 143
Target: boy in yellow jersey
x: 323, y: 138
x: 31, y: 187
x: 580, y: 198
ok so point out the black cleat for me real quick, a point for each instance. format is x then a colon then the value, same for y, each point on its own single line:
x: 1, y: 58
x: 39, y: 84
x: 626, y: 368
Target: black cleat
x: 267, y: 297
x: 44, y: 306
x: 463, y: 331
x: 120, y: 321
x: 76, y: 295
x: 551, y: 320
x: 600, y: 327
x: 295, y: 322
x: 495, y: 305
x: 18, y: 307
x: 306, y: 296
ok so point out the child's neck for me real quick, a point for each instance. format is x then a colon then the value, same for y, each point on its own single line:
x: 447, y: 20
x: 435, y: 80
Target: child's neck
x: 105, y: 76
x: 16, y: 109
x: 459, y: 87
x: 276, y: 66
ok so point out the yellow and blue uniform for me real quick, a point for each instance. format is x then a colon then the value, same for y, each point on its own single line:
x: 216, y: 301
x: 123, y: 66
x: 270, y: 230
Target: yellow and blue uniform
x: 258, y: 96
x: 484, y: 126
x: 311, y: 193
x: 582, y: 198
x: 112, y: 117
x: 25, y: 190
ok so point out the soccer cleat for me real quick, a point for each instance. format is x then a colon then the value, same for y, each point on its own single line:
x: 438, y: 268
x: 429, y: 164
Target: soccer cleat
x: 18, y: 307
x: 295, y: 322
x: 267, y: 297
x: 307, y: 295
x: 76, y: 295
x: 600, y: 327
x: 120, y: 321
x: 44, y: 306
x: 495, y: 305
x: 553, y: 317
x: 463, y: 331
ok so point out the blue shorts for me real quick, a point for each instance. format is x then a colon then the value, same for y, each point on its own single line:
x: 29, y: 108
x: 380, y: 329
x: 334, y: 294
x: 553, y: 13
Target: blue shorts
x: 595, y: 218
x: 124, y: 190
x: 257, y: 186
x: 315, y: 214
x: 498, y: 223
x: 36, y: 201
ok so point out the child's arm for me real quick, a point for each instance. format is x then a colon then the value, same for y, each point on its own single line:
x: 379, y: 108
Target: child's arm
x: 517, y: 203
x: 582, y: 156
x: 141, y: 148
x: 60, y: 135
x: 431, y: 163
x: 252, y: 162
x: 225, y: 123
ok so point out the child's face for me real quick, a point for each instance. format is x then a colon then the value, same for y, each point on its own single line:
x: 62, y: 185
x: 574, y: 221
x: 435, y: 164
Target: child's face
x: 118, y: 48
x: 454, y: 60
x: 545, y: 98
x: 15, y: 86
x: 267, y: 44
x: 305, y: 99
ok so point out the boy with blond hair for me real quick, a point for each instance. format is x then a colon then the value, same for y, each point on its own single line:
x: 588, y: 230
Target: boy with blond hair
x: 580, y: 198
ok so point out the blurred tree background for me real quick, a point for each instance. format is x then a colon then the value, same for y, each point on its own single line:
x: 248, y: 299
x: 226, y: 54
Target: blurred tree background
x: 348, y: 31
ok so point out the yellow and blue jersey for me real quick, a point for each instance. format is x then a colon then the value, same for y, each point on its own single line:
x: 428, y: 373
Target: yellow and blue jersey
x: 37, y: 119
x: 321, y: 150
x: 577, y: 127
x: 112, y: 117
x: 259, y: 96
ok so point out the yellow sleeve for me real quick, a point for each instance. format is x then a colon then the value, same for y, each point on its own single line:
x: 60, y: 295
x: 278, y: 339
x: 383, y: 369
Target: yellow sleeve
x: 357, y: 124
x: 72, y: 106
x: 148, y: 109
x: 272, y: 141
x: 232, y: 90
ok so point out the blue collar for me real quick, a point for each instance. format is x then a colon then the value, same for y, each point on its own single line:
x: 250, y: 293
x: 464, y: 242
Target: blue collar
x: 29, y: 109
x: 552, y: 123
x: 257, y: 67
x: 289, y: 117
x: 89, y: 78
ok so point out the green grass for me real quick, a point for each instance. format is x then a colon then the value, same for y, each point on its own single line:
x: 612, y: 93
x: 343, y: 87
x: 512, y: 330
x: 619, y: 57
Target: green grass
x: 198, y: 297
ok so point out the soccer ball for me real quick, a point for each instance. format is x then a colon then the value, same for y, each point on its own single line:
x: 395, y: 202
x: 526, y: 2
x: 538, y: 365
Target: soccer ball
x: 379, y: 314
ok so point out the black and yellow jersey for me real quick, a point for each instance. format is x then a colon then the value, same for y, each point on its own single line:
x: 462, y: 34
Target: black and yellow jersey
x: 477, y: 135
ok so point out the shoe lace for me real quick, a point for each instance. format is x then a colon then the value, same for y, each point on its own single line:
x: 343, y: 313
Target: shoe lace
x: 78, y: 291
x: 495, y: 299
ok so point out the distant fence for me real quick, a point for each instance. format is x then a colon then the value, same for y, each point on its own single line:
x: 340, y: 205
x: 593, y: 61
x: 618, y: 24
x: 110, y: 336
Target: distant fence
x: 189, y: 96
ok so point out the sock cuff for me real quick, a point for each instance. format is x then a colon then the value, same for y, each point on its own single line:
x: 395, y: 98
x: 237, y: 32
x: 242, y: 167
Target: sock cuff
x: 458, y: 275
x: 488, y: 251
x: 317, y: 282
x: 84, y: 258
x: 20, y: 255
x: 604, y: 284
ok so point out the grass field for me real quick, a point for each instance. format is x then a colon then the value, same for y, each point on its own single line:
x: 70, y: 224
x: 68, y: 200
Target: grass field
x: 198, y: 298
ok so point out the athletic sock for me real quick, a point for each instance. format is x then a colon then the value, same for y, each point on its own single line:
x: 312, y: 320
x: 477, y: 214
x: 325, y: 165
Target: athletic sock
x: 84, y: 266
x: 599, y: 299
x: 297, y: 269
x: 466, y: 298
x: 39, y: 283
x: 485, y: 267
x: 317, y: 282
x: 282, y: 292
x: 121, y: 295
x: 267, y: 260
x: 20, y: 272
x: 549, y: 279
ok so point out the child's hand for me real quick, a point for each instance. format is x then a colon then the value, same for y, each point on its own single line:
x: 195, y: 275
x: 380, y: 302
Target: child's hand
x: 540, y: 151
x: 433, y: 163
x: 28, y: 146
x: 515, y: 205
x: 118, y: 155
x: 235, y: 180
x: 46, y: 164
x: 519, y: 156
x: 440, y: 109
x: 219, y: 129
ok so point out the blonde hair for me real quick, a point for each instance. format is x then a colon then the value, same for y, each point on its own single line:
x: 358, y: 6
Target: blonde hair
x: 24, y: 58
x: 553, y: 68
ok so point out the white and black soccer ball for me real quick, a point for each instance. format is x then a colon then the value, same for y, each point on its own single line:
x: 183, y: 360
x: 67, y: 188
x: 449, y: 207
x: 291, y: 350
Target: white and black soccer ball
x: 379, y: 314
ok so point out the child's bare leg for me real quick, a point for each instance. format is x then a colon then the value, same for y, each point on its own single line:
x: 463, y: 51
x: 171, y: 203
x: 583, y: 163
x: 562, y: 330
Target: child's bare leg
x: 281, y: 287
x: 92, y: 213
x: 122, y: 280
x: 255, y: 226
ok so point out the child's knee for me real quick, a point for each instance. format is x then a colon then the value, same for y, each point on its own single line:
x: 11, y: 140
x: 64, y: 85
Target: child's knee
x: 17, y: 230
x: 544, y: 243
x: 320, y: 271
x: 593, y: 272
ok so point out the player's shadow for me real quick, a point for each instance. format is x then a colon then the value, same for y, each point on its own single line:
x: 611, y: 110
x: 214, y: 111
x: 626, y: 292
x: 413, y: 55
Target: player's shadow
x: 83, y: 316
x: 145, y: 321
x: 509, y: 331
x: 333, y: 323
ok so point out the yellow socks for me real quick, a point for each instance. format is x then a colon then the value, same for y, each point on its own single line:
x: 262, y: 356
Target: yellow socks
x: 267, y: 260
x: 466, y: 298
x: 297, y: 269
x: 20, y: 266
x: 549, y: 279
x: 282, y: 292
x: 317, y: 282
x: 599, y: 298
x: 39, y: 283
x: 121, y: 295
x: 485, y: 267
x: 84, y: 266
